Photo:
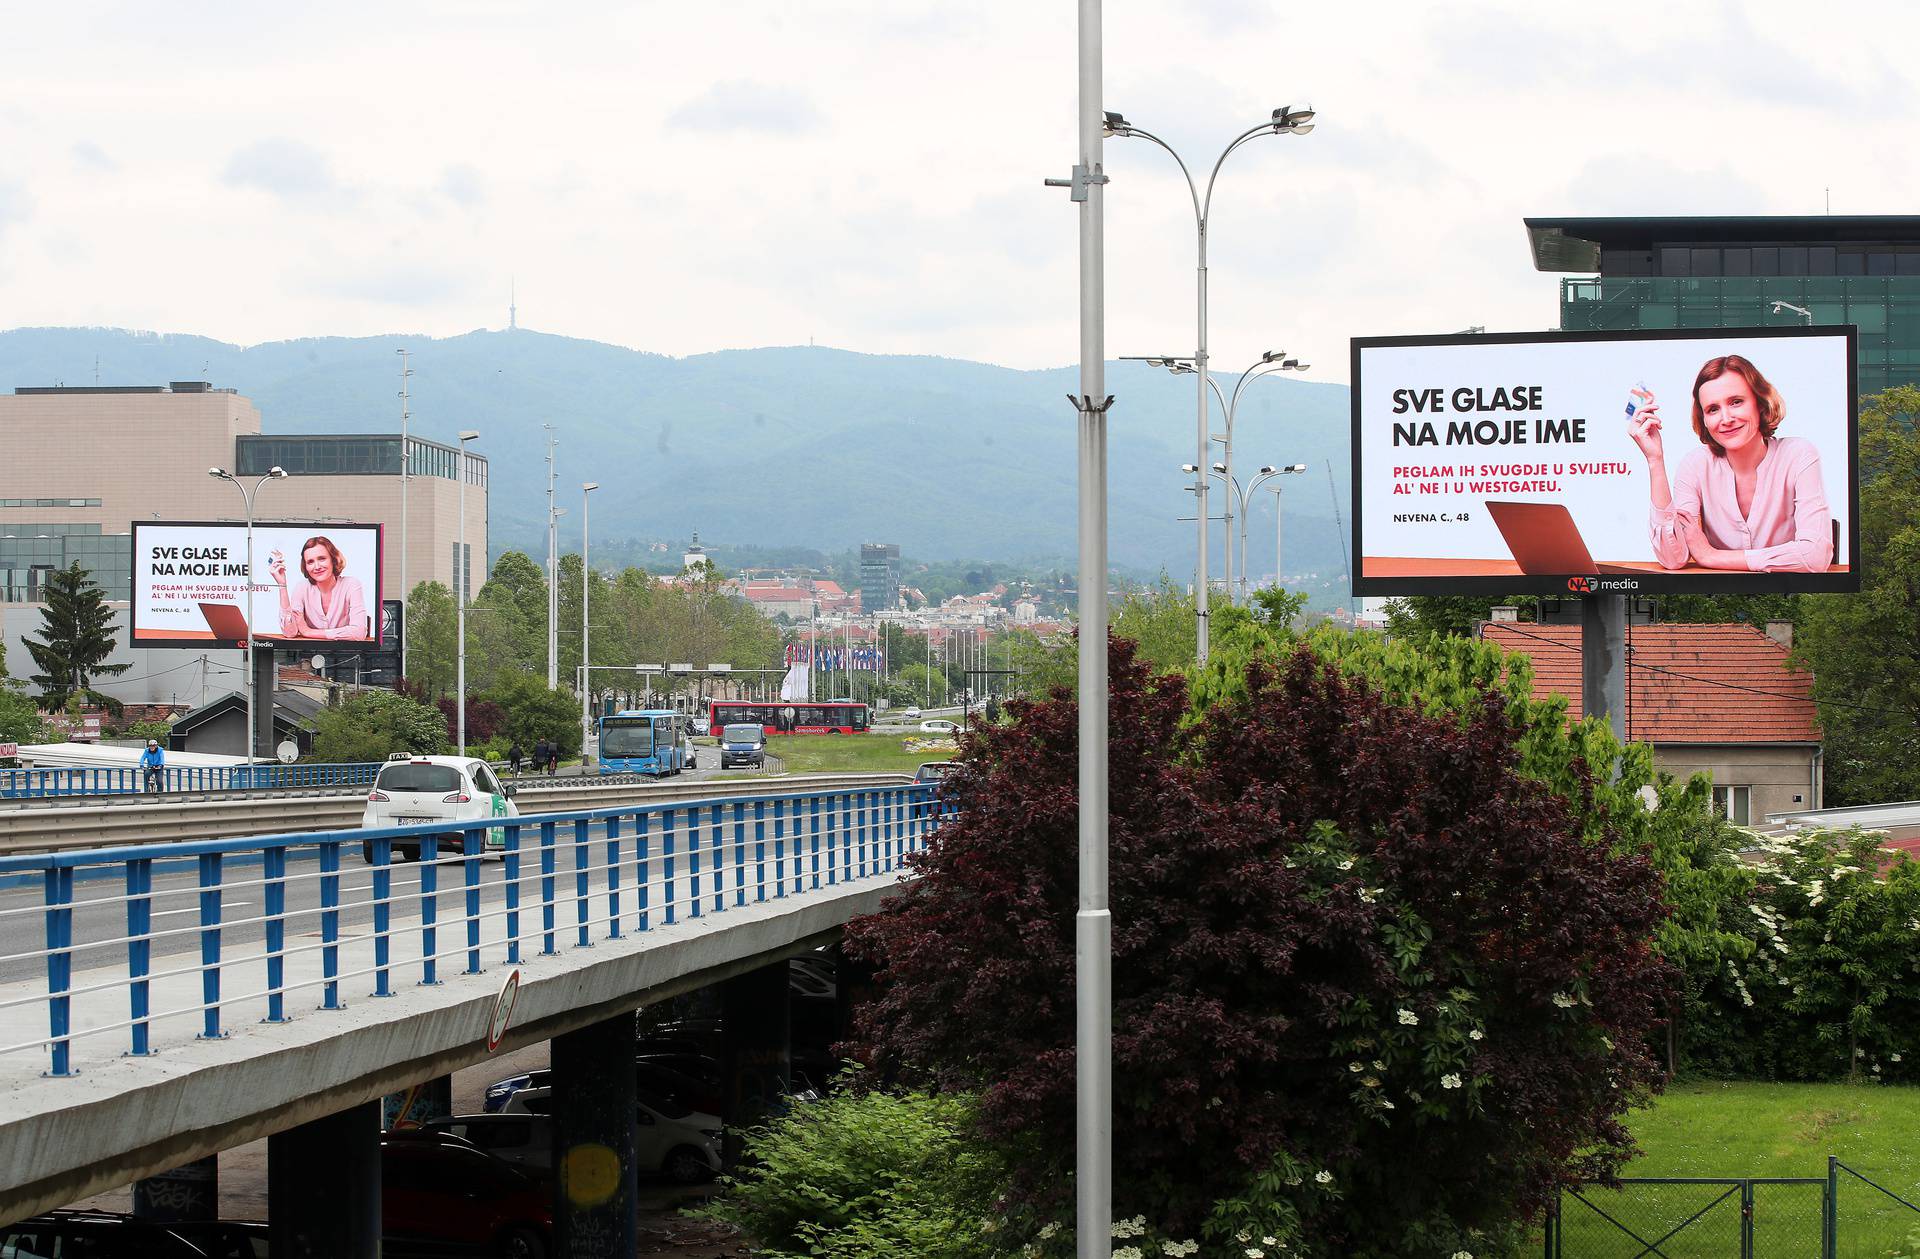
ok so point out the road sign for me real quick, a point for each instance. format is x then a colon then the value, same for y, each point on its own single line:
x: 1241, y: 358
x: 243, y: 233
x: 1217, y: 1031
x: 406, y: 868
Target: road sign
x: 503, y: 1010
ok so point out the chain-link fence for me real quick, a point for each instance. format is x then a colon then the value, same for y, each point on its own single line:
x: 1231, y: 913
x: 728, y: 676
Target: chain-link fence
x: 1850, y: 1214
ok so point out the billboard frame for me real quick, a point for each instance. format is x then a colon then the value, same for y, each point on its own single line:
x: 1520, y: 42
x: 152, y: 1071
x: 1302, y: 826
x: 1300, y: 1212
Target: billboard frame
x: 1583, y: 584
x: 266, y: 640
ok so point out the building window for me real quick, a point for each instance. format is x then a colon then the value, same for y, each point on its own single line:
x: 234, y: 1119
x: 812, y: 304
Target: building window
x: 1734, y: 803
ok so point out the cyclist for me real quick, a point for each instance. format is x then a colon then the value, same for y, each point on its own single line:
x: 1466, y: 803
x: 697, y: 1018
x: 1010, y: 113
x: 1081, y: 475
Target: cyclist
x: 153, y: 767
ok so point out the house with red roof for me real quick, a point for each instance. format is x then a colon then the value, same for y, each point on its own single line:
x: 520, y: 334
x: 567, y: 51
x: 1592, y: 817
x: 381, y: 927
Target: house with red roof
x: 1716, y: 699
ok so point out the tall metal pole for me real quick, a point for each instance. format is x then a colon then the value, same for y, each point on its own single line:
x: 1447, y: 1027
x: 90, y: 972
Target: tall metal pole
x: 248, y: 648
x: 586, y: 677
x: 462, y: 579
x: 1277, y: 570
x: 406, y: 472
x: 553, y: 578
x: 1093, y: 923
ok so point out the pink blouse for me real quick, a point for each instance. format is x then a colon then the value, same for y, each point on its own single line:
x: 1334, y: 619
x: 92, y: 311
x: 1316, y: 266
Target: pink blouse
x: 1789, y: 529
x: 345, y: 616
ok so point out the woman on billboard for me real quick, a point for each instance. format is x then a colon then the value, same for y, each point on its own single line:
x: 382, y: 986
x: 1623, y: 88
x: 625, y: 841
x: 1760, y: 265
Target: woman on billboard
x: 328, y: 604
x: 1745, y: 499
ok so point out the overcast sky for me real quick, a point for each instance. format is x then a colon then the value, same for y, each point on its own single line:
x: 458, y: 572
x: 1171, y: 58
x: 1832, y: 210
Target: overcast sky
x: 682, y: 177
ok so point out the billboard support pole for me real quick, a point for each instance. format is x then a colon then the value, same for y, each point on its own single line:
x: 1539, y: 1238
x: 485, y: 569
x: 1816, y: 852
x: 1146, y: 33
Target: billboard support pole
x: 1603, y: 660
x: 260, y: 711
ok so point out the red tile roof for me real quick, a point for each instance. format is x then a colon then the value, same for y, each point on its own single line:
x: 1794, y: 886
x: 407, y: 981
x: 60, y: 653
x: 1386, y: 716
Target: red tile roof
x: 1685, y: 683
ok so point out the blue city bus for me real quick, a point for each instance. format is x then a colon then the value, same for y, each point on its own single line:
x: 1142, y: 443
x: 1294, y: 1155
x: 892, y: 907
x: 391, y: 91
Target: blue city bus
x: 643, y: 741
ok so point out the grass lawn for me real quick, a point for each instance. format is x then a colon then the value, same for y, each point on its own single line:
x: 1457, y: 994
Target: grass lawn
x: 853, y: 753
x: 1712, y: 1129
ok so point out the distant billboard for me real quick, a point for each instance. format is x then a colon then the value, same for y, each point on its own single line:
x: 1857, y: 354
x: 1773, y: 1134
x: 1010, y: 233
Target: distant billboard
x: 303, y: 584
x: 1702, y: 461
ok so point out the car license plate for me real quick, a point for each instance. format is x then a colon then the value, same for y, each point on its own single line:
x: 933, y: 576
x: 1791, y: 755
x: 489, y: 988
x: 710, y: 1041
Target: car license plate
x: 409, y: 821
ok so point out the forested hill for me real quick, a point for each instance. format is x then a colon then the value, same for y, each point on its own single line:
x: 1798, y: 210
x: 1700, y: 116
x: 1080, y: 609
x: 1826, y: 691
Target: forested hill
x: 785, y: 445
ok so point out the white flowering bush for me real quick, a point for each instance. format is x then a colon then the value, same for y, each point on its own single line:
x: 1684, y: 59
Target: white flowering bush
x: 1830, y: 983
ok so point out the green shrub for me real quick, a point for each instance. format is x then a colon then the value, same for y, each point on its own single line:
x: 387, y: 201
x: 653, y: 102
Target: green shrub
x: 375, y: 724
x: 867, y: 1175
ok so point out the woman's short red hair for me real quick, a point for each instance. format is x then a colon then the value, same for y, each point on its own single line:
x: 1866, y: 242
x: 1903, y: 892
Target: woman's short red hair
x: 340, y: 561
x: 1773, y: 408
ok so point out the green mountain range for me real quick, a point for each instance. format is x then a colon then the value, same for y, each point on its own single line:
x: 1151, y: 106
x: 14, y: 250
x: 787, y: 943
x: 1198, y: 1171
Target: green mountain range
x: 795, y: 445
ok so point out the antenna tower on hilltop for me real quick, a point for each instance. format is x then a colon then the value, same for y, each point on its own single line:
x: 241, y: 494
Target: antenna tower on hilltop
x: 513, y: 309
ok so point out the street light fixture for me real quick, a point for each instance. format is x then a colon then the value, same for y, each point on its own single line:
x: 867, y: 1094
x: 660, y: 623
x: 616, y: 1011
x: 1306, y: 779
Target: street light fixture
x: 1801, y: 311
x: 1286, y: 120
x: 586, y: 719
x: 462, y: 577
x: 1271, y: 361
x: 275, y: 473
x: 1266, y: 474
x: 1236, y: 494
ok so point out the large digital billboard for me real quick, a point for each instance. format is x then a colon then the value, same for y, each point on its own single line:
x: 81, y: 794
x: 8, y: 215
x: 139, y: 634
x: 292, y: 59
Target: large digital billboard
x: 1704, y: 461
x: 195, y: 583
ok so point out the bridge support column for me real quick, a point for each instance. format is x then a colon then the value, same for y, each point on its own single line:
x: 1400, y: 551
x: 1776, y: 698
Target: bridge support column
x: 323, y: 1187
x: 756, y: 1051
x: 431, y: 1099
x: 595, y: 1194
x: 190, y: 1191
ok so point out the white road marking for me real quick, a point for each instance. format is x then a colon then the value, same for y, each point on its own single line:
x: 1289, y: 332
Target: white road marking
x: 224, y: 907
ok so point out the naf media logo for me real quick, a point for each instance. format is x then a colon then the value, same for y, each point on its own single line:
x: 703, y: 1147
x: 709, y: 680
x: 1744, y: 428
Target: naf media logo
x: 1601, y: 585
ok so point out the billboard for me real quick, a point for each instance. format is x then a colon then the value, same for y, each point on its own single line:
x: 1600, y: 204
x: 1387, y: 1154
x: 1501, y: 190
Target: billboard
x: 303, y: 584
x: 1698, y: 461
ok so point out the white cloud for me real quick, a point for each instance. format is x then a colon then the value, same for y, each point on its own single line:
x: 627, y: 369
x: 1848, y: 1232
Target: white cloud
x: 682, y: 178
x: 740, y: 105
x: 291, y: 170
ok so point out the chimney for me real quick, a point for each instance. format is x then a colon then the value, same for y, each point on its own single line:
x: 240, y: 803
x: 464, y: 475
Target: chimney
x: 1504, y: 612
x: 1780, y: 632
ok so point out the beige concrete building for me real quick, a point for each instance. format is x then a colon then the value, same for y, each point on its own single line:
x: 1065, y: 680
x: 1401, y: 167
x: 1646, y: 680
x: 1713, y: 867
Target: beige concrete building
x: 88, y: 461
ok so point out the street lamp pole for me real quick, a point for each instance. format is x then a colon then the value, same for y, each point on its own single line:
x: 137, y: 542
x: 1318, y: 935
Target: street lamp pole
x: 463, y: 578
x: 1268, y: 473
x: 275, y: 473
x: 1287, y: 120
x: 406, y: 471
x: 553, y: 576
x: 586, y: 719
x: 1270, y: 362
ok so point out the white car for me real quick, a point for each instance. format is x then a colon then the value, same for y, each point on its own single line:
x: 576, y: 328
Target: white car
x: 911, y: 714
x: 414, y: 789
x: 681, y: 1144
x: 938, y: 726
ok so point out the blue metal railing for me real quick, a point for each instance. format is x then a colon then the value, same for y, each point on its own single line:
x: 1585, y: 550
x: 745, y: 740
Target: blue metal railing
x: 632, y: 866
x: 128, y: 780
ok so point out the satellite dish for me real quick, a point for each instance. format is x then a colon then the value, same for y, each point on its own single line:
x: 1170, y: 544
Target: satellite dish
x: 288, y: 752
x: 319, y: 663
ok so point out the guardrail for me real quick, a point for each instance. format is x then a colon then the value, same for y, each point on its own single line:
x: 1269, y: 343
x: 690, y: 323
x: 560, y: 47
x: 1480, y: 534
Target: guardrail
x: 139, y: 819
x: 131, y: 780
x: 631, y: 866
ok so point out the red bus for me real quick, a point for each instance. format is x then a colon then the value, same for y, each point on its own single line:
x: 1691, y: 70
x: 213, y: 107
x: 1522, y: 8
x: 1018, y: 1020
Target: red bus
x: 796, y: 717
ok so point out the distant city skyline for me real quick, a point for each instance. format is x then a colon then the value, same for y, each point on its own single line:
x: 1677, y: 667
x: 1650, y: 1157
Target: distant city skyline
x: 681, y: 180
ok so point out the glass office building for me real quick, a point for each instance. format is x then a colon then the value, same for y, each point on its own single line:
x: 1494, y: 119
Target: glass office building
x: 371, y: 454
x: 1745, y: 272
x: 30, y: 551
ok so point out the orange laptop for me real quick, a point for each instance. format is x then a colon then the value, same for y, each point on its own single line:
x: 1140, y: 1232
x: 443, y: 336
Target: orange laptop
x: 228, y: 623
x: 1545, y: 542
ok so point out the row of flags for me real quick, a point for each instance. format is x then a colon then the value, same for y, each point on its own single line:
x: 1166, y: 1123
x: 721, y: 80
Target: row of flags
x: 833, y: 658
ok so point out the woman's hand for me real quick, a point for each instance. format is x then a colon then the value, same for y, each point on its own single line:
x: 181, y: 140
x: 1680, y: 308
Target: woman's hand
x: 1644, y: 428
x: 295, y: 626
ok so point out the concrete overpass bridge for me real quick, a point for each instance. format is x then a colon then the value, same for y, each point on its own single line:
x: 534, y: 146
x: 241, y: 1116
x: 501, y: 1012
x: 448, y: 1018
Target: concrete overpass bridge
x: 179, y: 999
